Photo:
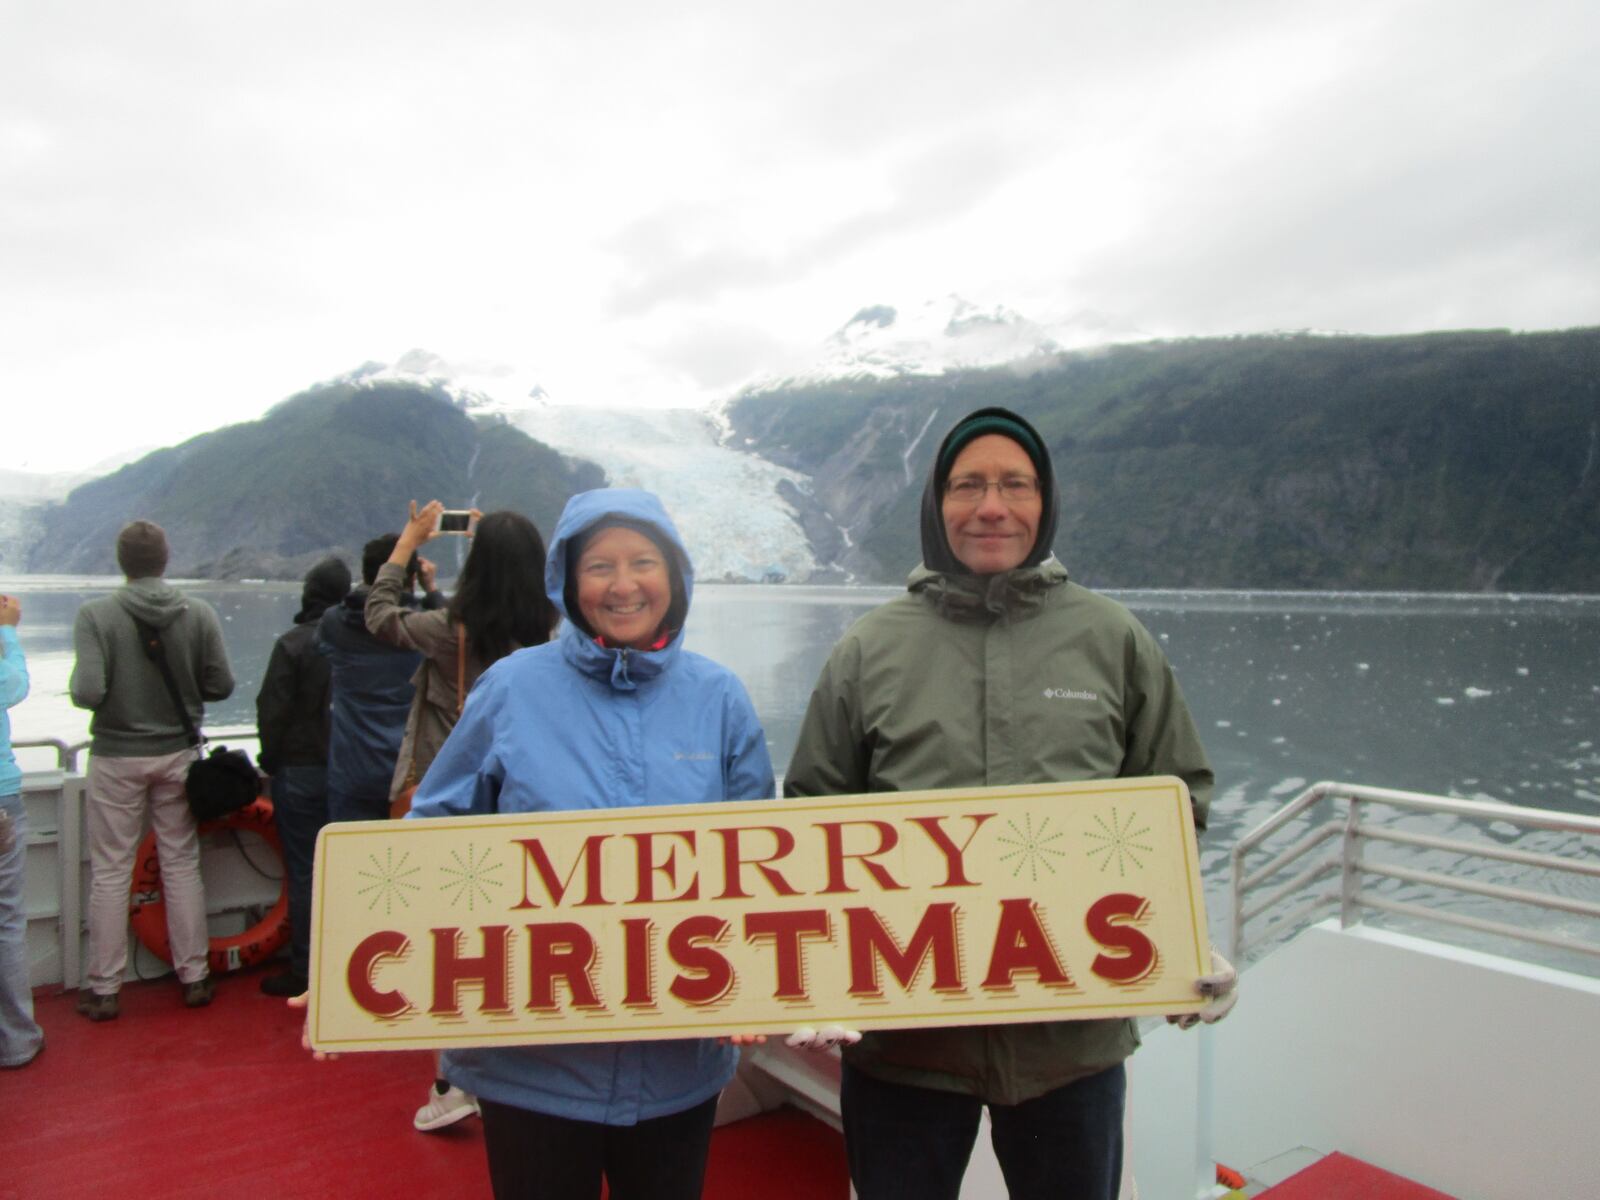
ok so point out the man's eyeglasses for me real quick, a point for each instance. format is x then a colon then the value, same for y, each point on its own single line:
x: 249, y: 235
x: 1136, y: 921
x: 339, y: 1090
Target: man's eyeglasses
x: 1014, y: 489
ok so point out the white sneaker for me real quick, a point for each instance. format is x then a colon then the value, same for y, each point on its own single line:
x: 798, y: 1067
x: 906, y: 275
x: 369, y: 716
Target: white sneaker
x: 445, y: 1109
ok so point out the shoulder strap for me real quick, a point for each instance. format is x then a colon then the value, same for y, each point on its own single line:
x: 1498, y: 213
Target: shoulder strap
x: 461, y: 668
x: 150, y: 638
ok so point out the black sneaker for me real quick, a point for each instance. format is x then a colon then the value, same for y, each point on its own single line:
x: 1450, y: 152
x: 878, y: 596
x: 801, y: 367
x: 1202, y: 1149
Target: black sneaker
x: 198, y: 993
x: 98, y: 1006
x: 284, y: 983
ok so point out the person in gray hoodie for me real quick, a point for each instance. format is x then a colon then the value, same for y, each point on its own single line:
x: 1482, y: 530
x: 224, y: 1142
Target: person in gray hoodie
x: 139, y: 754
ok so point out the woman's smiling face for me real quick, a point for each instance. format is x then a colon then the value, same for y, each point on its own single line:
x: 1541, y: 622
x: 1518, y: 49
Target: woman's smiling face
x: 624, y: 587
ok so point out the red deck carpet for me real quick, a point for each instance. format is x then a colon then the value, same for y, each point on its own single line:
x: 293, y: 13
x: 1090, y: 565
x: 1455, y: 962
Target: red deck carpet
x: 167, y: 1103
x: 1339, y: 1177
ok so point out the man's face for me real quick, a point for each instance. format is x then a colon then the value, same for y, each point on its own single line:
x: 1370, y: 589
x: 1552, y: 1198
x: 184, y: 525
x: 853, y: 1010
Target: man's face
x: 991, y: 534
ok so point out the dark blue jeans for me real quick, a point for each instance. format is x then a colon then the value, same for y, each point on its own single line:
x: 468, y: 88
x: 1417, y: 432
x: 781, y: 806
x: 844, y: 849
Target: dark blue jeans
x: 300, y: 809
x: 913, y: 1143
x: 533, y: 1156
x: 352, y: 806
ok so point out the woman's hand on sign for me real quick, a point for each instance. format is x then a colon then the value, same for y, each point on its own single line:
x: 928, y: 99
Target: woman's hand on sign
x: 299, y: 1003
x: 826, y: 1038
x: 743, y: 1039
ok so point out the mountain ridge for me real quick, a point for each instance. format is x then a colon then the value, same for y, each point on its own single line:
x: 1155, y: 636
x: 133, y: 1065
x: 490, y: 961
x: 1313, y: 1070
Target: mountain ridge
x: 1461, y: 461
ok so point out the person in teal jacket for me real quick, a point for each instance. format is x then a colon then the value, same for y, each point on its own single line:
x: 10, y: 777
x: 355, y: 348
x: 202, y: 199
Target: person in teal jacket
x: 21, y: 1039
x: 614, y: 713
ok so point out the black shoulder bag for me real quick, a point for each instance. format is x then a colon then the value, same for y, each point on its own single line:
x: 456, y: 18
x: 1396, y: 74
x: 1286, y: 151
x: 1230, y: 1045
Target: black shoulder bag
x: 219, y: 783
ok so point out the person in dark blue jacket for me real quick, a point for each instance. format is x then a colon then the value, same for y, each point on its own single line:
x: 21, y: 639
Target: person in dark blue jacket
x: 614, y: 713
x: 371, y: 694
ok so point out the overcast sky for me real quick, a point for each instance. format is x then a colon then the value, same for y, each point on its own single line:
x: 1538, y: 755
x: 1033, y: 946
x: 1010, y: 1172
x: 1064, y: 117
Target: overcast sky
x: 206, y: 207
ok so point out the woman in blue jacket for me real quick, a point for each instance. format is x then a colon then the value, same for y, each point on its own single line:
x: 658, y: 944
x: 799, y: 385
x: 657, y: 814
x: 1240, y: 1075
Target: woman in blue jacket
x: 21, y: 1039
x: 612, y: 714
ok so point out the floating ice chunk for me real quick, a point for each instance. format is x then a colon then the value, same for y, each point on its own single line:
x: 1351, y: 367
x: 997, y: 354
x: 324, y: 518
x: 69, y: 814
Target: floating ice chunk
x: 1363, y: 666
x: 1522, y: 670
x: 1278, y: 741
x: 1445, y: 700
x: 1276, y: 702
x: 1224, y: 724
x: 1477, y: 693
x: 1294, y: 783
x: 1164, y: 637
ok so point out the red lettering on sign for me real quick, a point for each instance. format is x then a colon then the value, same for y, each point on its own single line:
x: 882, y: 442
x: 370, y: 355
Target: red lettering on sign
x: 648, y: 868
x: 954, y: 855
x: 712, y: 975
x: 788, y: 932
x: 638, y: 963
x: 386, y: 943
x: 588, y: 859
x: 561, y: 949
x: 1022, y: 944
x: 833, y: 836
x: 871, y: 943
x: 734, y: 862
x: 491, y: 970
x: 1111, y: 921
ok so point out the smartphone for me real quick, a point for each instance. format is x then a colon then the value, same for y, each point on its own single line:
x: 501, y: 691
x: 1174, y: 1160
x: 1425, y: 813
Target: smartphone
x: 454, y: 520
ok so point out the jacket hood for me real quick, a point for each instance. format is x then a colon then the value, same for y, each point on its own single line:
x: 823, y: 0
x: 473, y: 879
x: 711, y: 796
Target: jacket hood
x: 587, y: 510
x: 326, y: 584
x: 153, y: 600
x: 936, y: 552
x: 971, y: 597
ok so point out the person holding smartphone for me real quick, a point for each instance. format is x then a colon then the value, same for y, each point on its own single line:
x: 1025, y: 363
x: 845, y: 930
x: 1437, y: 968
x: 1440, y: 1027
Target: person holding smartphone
x: 499, y: 606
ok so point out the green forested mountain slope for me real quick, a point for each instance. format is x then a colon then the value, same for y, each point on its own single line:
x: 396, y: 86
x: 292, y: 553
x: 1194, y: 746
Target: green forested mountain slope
x: 1456, y: 461
x: 322, y: 472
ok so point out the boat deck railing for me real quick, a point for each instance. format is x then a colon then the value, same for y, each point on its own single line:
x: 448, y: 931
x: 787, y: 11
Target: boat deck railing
x: 54, y: 903
x: 1524, y: 847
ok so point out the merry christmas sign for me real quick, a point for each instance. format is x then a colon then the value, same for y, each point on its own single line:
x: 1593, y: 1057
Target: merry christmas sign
x: 950, y: 907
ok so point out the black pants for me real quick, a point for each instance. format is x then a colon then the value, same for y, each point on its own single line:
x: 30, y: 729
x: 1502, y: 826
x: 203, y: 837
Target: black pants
x: 537, y: 1157
x: 913, y: 1143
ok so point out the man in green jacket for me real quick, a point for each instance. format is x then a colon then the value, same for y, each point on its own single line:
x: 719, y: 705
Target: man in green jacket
x: 994, y: 668
x: 139, y: 753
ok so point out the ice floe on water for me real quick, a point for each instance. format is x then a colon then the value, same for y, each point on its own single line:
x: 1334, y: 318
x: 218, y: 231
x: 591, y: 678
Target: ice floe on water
x: 1477, y: 693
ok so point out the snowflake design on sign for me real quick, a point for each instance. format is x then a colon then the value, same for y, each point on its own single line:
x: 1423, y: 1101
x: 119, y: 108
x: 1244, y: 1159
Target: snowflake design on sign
x: 471, y: 877
x: 1032, y: 849
x: 390, y: 881
x: 1118, y: 842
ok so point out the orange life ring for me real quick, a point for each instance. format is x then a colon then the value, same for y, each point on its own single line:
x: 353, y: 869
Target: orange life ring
x: 148, y: 907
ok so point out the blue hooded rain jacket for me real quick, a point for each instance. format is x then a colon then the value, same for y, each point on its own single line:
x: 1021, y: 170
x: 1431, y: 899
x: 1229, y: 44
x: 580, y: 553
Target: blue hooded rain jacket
x: 572, y: 724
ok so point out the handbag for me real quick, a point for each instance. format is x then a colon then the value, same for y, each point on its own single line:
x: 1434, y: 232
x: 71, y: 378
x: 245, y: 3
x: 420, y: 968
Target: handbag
x: 401, y: 804
x: 219, y: 783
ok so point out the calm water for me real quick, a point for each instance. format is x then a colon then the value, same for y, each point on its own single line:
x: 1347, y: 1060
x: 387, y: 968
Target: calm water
x: 1483, y: 697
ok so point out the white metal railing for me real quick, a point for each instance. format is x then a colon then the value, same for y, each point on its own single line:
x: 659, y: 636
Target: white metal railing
x: 1313, y: 886
x: 67, y: 753
x: 59, y: 825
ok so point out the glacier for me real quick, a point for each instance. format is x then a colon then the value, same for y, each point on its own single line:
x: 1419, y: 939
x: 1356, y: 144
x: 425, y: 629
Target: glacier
x: 724, y: 501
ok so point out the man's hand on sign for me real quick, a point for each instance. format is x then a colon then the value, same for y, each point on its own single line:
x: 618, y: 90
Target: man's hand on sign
x: 743, y: 1039
x: 299, y: 1002
x: 1221, y: 989
x: 826, y: 1038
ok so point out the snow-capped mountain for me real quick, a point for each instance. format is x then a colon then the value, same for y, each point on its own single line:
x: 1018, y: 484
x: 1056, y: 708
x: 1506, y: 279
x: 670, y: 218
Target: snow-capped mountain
x: 726, y: 502
x: 881, y: 342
